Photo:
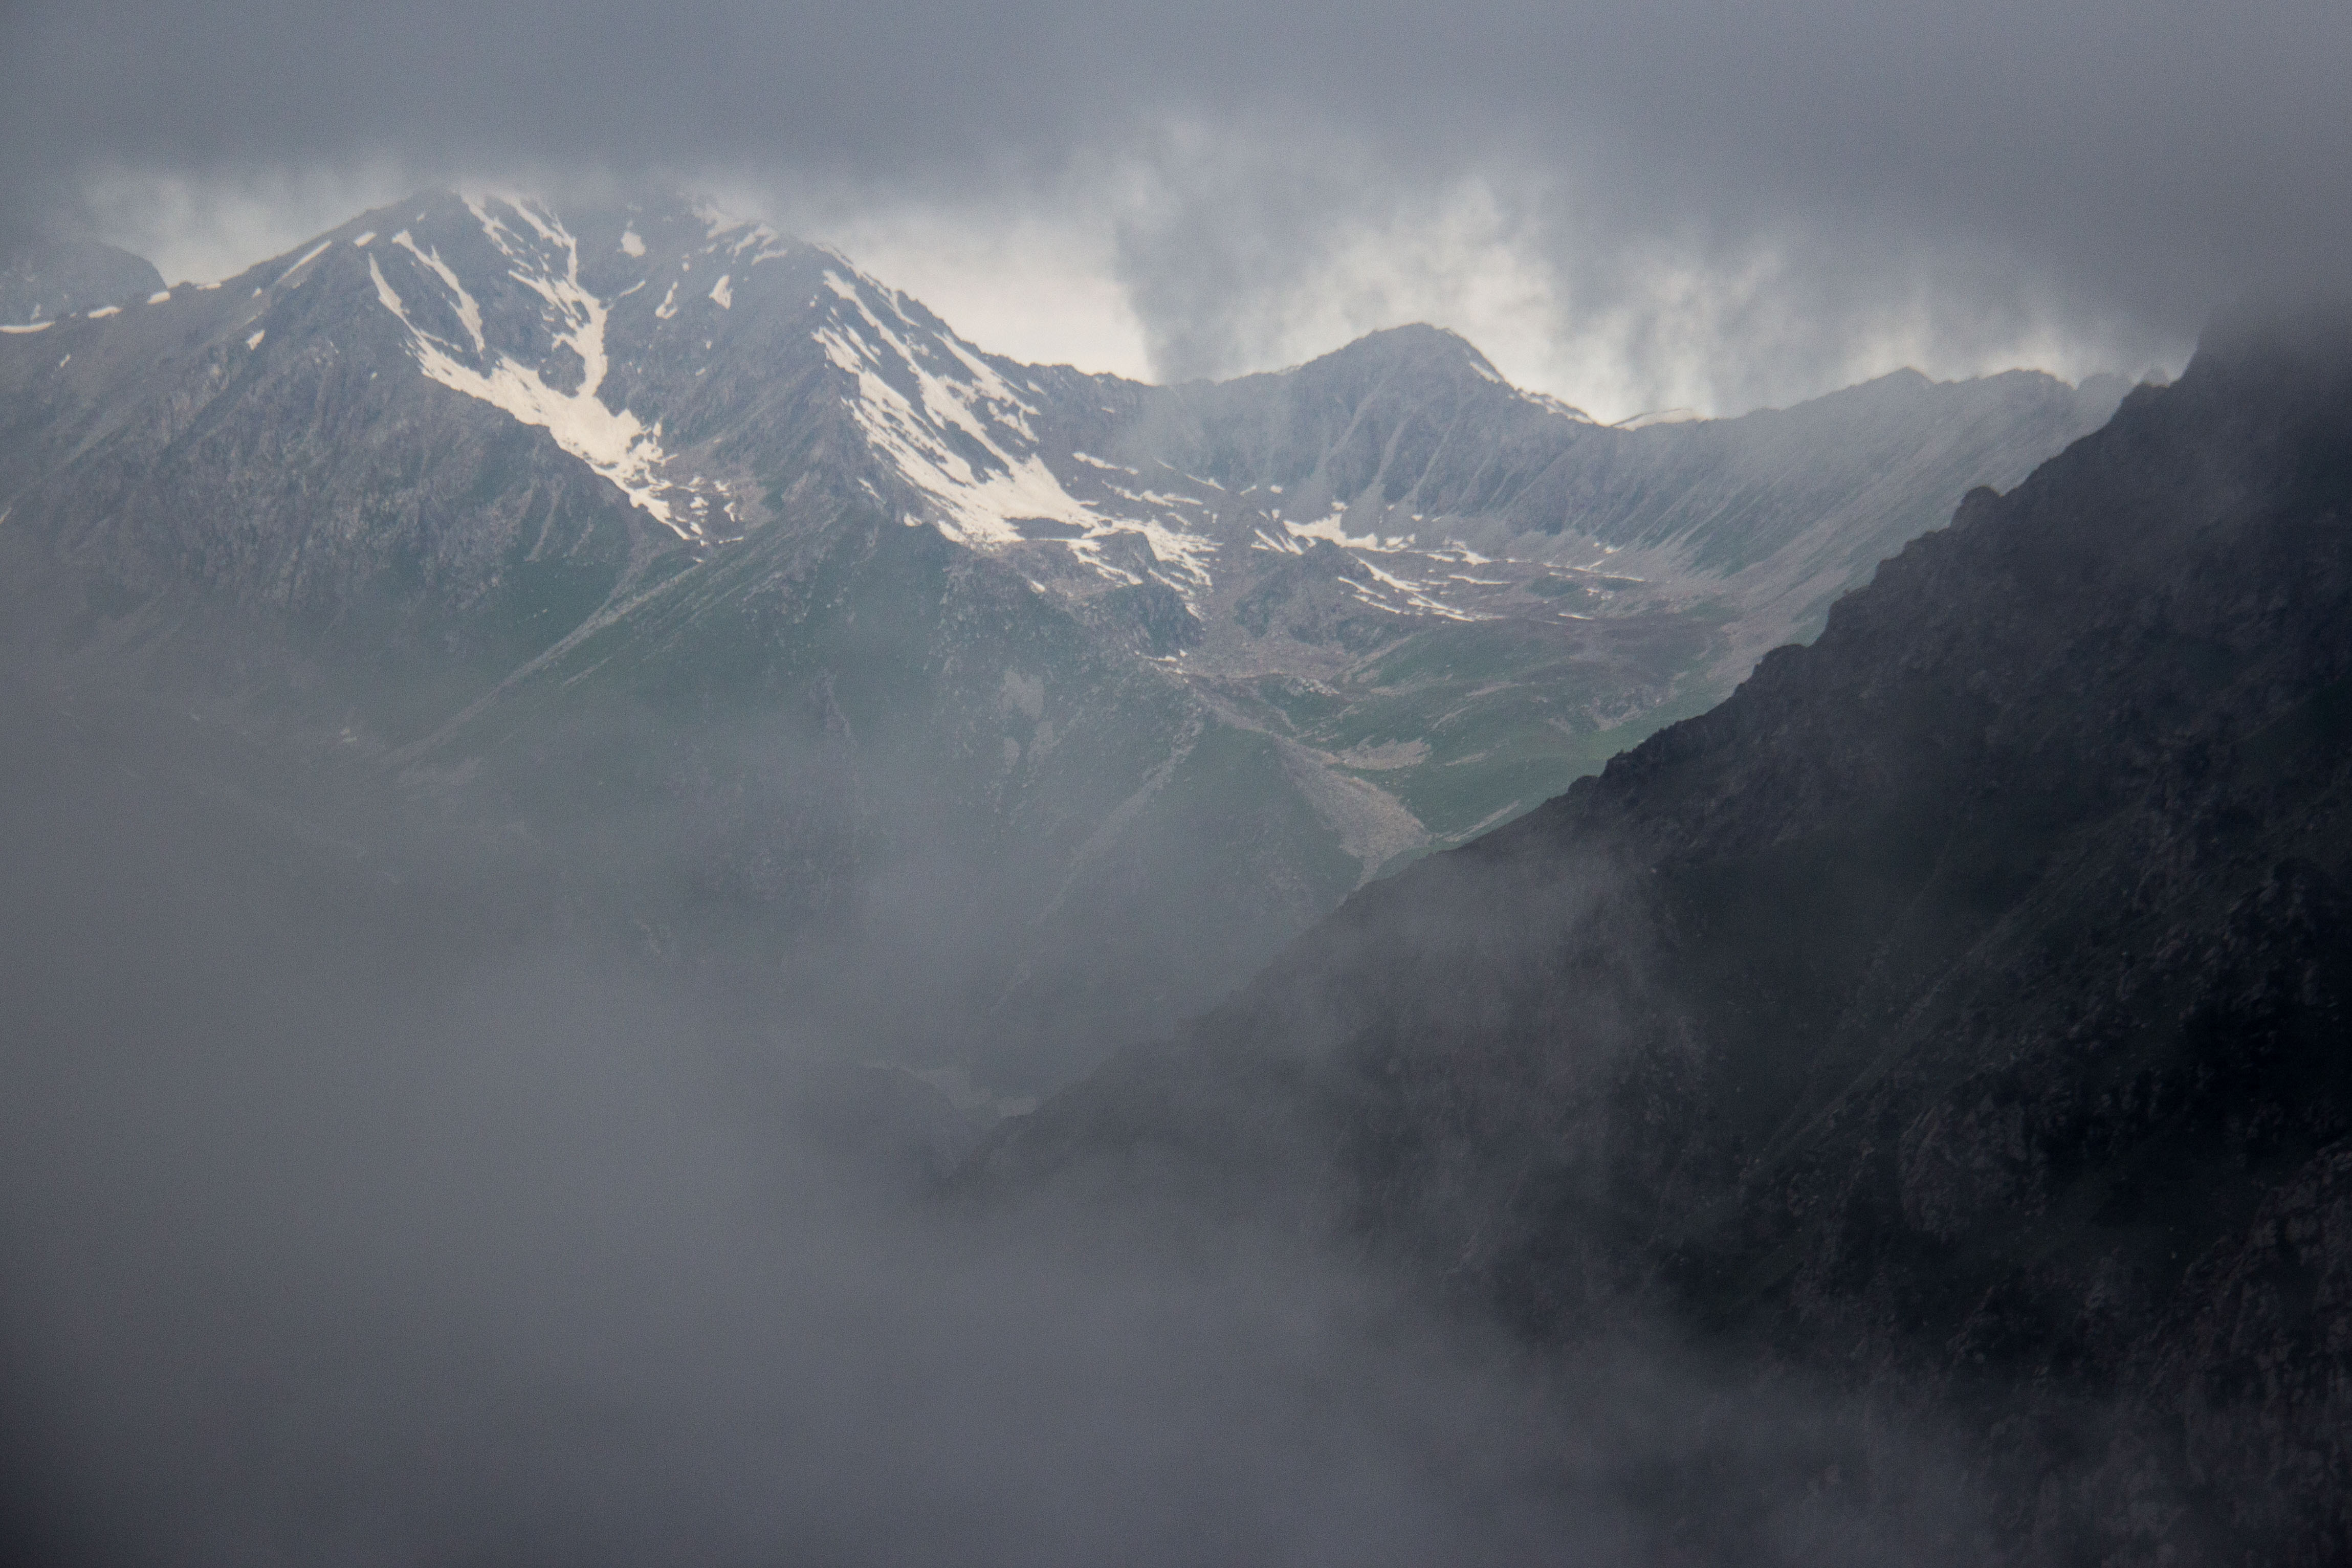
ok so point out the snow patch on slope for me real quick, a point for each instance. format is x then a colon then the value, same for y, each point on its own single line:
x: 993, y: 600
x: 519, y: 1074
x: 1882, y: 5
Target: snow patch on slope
x: 978, y: 504
x: 1334, y: 528
x: 307, y: 257
x: 961, y: 431
x: 616, y: 444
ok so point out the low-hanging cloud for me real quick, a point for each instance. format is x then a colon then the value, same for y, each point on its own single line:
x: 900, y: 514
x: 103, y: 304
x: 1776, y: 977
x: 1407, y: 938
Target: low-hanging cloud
x: 1762, y: 197
x: 357, y: 1217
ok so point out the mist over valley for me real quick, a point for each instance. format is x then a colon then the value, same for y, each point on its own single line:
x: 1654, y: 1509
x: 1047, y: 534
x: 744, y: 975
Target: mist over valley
x: 658, y: 910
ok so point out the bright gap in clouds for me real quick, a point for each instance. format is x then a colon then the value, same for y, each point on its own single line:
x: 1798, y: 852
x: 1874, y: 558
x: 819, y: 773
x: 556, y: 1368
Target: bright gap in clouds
x: 1207, y: 254
x: 203, y: 230
x: 1032, y: 288
x: 1038, y: 289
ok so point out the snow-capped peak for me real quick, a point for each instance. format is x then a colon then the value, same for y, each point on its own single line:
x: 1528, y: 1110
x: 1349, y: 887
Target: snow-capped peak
x: 545, y: 261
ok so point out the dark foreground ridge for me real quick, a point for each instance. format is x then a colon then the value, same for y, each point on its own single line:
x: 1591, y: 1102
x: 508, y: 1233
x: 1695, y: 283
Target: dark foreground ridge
x: 1955, y: 1014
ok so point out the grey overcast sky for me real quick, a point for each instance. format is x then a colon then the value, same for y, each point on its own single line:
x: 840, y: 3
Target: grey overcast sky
x: 1633, y: 204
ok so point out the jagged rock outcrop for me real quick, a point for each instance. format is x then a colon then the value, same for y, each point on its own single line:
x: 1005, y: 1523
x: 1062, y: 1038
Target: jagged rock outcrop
x: 1956, y: 1014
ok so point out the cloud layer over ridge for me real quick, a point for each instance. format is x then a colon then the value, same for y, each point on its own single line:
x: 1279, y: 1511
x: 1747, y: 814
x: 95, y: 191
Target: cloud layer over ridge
x: 1687, y: 200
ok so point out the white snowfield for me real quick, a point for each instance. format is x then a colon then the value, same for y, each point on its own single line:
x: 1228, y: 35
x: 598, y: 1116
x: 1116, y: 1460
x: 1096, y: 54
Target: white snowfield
x: 313, y: 254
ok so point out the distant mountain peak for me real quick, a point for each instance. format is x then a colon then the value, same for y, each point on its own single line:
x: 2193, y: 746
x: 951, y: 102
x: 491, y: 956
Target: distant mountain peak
x: 49, y: 281
x: 1422, y: 341
x: 1424, y: 353
x: 1416, y: 348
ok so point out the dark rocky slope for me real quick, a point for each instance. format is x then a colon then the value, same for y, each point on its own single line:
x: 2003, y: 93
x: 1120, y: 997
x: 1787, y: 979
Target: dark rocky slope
x: 1956, y: 1014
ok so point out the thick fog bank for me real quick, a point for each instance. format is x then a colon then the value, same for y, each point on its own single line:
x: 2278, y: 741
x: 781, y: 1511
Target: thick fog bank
x: 350, y: 1220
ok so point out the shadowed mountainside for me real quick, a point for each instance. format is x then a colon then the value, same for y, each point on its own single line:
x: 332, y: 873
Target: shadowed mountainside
x: 1957, y: 1013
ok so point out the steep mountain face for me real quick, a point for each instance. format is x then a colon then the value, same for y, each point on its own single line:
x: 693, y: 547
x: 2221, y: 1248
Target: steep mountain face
x: 67, y: 277
x: 1956, y: 1014
x: 791, y: 627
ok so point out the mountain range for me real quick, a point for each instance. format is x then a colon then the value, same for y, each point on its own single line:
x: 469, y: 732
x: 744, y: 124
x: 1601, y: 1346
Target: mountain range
x: 1844, y: 910
x: 983, y: 712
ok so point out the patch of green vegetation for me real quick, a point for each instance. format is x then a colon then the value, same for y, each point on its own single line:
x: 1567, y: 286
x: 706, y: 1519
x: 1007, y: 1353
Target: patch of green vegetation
x: 1456, y: 653
x: 1510, y: 715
